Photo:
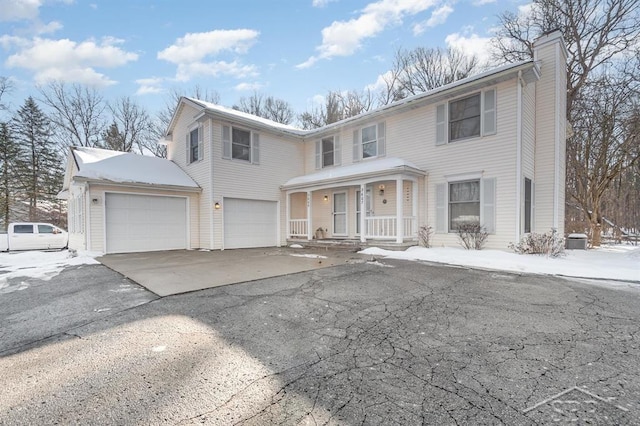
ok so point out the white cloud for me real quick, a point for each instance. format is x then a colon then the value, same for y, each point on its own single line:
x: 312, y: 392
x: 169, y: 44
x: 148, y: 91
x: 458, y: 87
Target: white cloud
x: 67, y: 60
x: 194, y: 47
x: 321, y: 3
x: 343, y: 38
x: 247, y: 87
x: 18, y: 10
x: 438, y: 17
x: 214, y: 69
x: 190, y: 54
x: 471, y: 44
x: 483, y: 2
x: 150, y: 86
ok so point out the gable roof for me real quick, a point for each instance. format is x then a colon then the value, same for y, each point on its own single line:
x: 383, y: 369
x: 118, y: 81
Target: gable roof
x: 529, y: 70
x: 96, y: 164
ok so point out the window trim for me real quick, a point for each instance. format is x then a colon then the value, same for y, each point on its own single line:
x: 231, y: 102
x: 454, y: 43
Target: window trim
x: 443, y: 117
x: 191, y: 148
x: 449, y: 202
x: 449, y: 121
x: 242, y: 129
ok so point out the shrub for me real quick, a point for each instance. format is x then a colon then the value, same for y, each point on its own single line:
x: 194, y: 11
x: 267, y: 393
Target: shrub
x: 472, y: 235
x: 548, y: 244
x: 424, y: 235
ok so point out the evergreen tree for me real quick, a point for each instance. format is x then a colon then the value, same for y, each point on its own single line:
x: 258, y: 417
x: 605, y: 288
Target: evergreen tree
x: 8, y: 181
x: 39, y: 166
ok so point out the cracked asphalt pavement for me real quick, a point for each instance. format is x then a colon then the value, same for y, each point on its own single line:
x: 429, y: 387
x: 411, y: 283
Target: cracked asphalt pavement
x: 354, y: 344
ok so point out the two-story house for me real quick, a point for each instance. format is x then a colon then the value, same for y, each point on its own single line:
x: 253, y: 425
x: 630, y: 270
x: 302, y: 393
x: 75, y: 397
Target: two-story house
x: 488, y: 149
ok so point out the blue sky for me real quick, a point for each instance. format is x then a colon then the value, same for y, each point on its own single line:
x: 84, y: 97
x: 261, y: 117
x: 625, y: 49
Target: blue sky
x: 295, y: 50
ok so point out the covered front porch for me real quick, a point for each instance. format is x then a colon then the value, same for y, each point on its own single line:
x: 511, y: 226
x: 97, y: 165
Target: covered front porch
x: 371, y: 201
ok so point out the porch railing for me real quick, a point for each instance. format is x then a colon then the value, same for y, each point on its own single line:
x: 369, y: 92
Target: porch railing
x: 385, y: 227
x: 298, y: 227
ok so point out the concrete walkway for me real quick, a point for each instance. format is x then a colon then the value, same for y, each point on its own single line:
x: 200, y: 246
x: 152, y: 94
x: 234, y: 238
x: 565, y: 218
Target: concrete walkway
x: 181, y: 271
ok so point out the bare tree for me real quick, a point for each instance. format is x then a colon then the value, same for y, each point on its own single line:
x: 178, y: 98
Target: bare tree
x: 6, y: 86
x: 132, y: 126
x: 337, y: 106
x: 160, y: 123
x: 603, y: 42
x: 423, y: 69
x: 267, y: 107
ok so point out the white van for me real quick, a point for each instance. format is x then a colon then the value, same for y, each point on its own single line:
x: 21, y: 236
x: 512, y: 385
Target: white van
x: 33, y: 236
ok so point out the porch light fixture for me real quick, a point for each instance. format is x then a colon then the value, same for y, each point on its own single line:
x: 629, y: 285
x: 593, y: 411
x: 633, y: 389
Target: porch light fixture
x: 381, y: 190
x: 216, y: 206
x: 325, y: 198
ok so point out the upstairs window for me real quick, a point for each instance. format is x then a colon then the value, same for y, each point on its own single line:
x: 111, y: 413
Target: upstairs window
x: 195, y: 144
x: 328, y: 152
x: 240, y: 144
x: 465, y: 118
x: 369, y: 142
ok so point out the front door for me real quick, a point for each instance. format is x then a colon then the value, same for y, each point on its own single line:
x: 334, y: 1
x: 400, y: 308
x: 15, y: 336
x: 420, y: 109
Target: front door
x: 367, y: 206
x: 340, y: 214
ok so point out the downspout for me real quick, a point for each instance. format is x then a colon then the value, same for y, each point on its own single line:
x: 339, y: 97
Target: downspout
x: 211, y: 191
x: 87, y: 217
x: 519, y: 86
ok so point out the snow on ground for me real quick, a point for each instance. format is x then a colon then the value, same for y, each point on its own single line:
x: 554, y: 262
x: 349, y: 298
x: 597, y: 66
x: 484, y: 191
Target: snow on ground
x: 620, y: 262
x: 310, y: 256
x: 42, y: 265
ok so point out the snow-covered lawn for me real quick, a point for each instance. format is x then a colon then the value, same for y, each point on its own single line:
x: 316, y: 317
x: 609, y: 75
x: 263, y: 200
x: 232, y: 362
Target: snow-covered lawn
x: 621, y: 262
x: 39, y: 264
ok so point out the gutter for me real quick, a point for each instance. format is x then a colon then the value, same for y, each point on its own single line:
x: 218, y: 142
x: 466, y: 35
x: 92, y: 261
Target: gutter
x: 140, y: 185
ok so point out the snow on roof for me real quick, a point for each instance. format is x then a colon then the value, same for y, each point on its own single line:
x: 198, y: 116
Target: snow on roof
x: 381, y: 166
x: 246, y: 116
x: 121, y: 167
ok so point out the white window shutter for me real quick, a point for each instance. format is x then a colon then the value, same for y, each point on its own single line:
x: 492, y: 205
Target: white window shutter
x: 441, y: 124
x: 226, y: 142
x: 489, y: 113
x: 337, y: 151
x: 188, y: 145
x: 488, y: 211
x: 382, y: 146
x: 200, y: 142
x: 318, y: 154
x: 357, y: 146
x: 255, y: 148
x: 441, y: 211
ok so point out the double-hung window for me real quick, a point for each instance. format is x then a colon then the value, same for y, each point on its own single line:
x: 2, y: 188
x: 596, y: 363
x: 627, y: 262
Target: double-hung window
x: 369, y: 142
x: 465, y: 118
x: 240, y: 144
x: 328, y: 152
x: 193, y: 145
x: 464, y: 203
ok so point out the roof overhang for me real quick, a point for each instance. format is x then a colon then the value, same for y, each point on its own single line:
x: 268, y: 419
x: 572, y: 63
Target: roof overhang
x: 354, y: 173
x: 138, y: 185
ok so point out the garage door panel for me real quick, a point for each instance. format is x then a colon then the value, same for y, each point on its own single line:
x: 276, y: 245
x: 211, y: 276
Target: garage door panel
x: 250, y: 223
x: 145, y: 223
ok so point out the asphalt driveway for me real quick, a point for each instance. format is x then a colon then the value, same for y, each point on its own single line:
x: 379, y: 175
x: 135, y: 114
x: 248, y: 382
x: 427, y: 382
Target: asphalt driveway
x: 361, y: 343
x: 180, y: 271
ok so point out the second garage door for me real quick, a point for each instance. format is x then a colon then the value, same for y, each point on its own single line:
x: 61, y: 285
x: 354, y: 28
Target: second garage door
x: 145, y: 223
x: 250, y: 223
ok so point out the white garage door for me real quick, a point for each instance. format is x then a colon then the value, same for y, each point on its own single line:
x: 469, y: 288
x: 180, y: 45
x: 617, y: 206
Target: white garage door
x: 145, y: 223
x: 250, y: 223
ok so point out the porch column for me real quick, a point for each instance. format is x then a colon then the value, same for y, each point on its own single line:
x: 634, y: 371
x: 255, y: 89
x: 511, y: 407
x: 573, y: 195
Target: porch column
x: 399, y: 211
x: 414, y: 208
x: 363, y: 213
x: 287, y: 207
x: 309, y: 221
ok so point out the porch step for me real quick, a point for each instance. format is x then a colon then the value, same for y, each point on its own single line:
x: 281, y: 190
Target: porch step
x: 351, y: 245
